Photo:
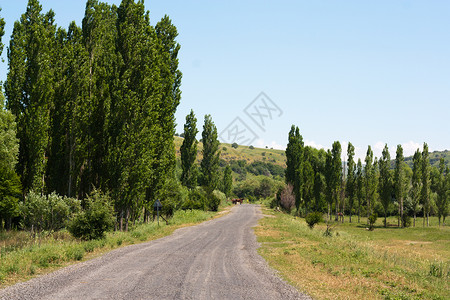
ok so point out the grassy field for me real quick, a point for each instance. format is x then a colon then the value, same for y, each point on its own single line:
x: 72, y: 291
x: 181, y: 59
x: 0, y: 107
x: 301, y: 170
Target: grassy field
x: 387, y: 263
x: 241, y: 153
x: 23, y: 256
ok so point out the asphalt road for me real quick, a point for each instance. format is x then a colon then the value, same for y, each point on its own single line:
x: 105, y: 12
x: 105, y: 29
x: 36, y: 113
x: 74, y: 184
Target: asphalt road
x: 214, y: 260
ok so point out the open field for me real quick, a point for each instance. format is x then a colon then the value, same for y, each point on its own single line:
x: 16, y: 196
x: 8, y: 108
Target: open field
x: 23, y: 257
x: 241, y: 153
x: 387, y: 263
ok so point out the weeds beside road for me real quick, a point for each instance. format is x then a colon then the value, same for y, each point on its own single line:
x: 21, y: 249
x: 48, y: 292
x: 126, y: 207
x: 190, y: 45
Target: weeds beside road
x: 388, y: 263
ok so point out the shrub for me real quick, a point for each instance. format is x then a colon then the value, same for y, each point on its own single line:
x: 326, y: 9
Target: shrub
x: 95, y: 220
x: 406, y: 220
x: 196, y: 199
x: 234, y: 145
x: 372, y: 220
x: 313, y: 218
x: 251, y: 147
x: 47, y: 212
x: 214, y: 200
x: 287, y: 198
x: 224, y: 148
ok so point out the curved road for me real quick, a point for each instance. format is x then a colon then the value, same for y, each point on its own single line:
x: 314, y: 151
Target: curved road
x: 214, y: 260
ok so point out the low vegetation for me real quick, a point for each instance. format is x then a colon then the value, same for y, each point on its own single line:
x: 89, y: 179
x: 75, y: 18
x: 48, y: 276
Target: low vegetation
x: 354, y: 263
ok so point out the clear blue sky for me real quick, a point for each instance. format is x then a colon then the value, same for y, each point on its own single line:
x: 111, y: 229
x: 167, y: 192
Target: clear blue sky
x: 366, y: 72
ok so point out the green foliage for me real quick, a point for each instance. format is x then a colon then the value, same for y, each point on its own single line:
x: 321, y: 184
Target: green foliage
x: 406, y: 220
x: 10, y: 187
x: 47, y: 212
x: 399, y: 181
x: 251, y: 147
x: 196, y: 199
x: 372, y: 220
x: 385, y: 180
x: 189, y: 152
x: 210, y: 161
x: 294, y: 153
x: 351, y: 184
x: 227, y: 184
x: 2, y: 32
x: 235, y: 145
x: 95, y: 219
x: 313, y: 218
x: 425, y: 176
x: 30, y: 90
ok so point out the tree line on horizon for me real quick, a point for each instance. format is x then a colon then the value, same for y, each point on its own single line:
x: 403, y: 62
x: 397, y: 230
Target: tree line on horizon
x: 317, y: 182
x: 90, y: 108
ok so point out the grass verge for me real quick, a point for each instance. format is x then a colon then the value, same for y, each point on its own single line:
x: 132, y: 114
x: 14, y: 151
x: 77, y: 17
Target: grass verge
x: 23, y: 257
x: 388, y: 263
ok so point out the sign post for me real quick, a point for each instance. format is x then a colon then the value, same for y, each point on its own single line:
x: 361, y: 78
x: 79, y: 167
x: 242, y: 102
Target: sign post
x: 157, y: 206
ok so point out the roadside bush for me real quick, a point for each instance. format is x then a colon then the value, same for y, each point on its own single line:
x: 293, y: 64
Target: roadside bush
x: 287, y: 198
x: 196, y: 199
x: 214, y: 200
x: 173, y: 196
x: 313, y: 218
x: 220, y: 195
x: 47, y: 212
x: 95, y: 220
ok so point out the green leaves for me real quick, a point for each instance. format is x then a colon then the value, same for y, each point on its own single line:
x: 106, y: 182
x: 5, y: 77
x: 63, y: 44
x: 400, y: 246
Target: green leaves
x: 210, y: 162
x: 189, y: 152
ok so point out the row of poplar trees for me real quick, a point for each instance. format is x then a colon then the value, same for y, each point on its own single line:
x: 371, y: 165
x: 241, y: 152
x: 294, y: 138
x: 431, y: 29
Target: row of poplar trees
x: 95, y: 104
x: 318, y: 174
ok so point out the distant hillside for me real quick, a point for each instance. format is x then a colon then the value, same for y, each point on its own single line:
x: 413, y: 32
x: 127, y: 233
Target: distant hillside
x: 278, y: 157
x: 434, y: 158
x: 229, y: 153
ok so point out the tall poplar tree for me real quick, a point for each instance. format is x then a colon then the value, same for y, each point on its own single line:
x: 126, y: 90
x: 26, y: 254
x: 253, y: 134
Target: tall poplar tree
x: 329, y: 190
x: 227, y: 184
x: 369, y: 180
x: 385, y: 180
x: 359, y: 186
x: 30, y: 90
x: 425, y: 176
x: 308, y: 178
x: 100, y: 39
x: 170, y: 82
x: 416, y: 183
x: 294, y: 156
x: 71, y: 68
x: 399, y: 181
x: 10, y: 187
x: 189, y: 152
x: 442, y: 191
x: 210, y: 162
x: 336, y: 174
x: 351, y: 177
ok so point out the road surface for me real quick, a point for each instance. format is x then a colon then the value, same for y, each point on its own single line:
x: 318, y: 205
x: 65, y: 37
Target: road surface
x: 214, y: 260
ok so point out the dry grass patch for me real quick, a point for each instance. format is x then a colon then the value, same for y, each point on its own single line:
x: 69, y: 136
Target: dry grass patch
x: 355, y: 263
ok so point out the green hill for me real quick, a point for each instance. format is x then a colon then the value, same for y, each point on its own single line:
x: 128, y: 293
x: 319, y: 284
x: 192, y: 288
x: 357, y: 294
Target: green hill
x: 228, y: 153
x: 435, y: 157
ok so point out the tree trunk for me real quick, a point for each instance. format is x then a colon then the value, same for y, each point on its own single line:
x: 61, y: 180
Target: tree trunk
x: 414, y: 219
x: 329, y: 212
x: 401, y: 211
x: 337, y: 208
x: 121, y: 220
x: 126, y: 219
x: 359, y: 212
